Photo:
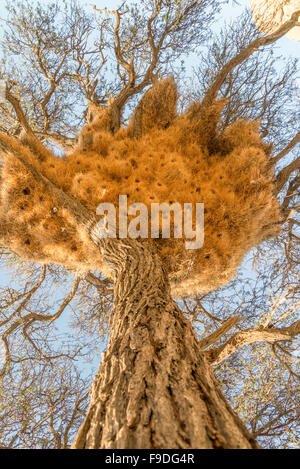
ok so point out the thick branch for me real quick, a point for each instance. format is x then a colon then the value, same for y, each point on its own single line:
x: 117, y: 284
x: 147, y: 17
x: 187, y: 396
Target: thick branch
x: 212, y: 92
x: 283, y: 177
x: 103, y: 285
x: 293, y: 190
x: 287, y: 149
x: 215, y: 336
x: 131, y: 88
x: 19, y: 111
x: 250, y: 336
x: 59, y: 139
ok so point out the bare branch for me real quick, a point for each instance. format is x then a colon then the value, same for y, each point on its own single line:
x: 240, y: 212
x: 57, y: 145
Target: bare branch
x: 215, y: 336
x: 287, y: 209
x: 283, y: 177
x: 101, y: 284
x: 250, y: 336
x: 19, y: 111
x: 131, y: 88
x: 212, y: 92
x: 27, y: 296
x: 287, y: 149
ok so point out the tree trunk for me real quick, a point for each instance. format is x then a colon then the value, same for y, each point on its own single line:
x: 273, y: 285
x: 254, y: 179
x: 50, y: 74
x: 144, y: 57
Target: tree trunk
x: 154, y: 388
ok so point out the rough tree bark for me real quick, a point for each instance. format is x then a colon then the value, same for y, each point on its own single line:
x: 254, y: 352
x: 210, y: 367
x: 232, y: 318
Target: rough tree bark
x: 154, y: 387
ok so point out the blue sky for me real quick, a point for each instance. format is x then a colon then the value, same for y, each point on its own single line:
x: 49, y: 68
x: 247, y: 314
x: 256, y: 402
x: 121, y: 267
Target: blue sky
x: 230, y: 11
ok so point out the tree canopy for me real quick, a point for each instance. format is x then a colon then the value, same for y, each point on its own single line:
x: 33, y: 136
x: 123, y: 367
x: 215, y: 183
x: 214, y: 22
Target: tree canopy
x: 79, y: 80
